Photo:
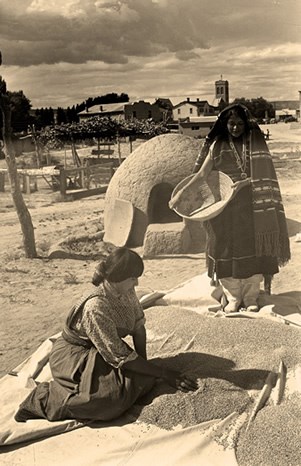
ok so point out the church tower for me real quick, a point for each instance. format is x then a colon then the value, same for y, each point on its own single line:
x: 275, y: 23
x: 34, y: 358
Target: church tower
x: 222, y: 90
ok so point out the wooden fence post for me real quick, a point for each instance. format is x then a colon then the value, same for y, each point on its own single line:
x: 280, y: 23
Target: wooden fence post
x: 35, y: 183
x: 24, y: 184
x: 63, y: 182
x: 29, y: 183
x: 36, y: 145
x: 119, y: 148
x: 2, y: 182
x: 48, y: 158
x: 87, y: 177
x: 82, y: 177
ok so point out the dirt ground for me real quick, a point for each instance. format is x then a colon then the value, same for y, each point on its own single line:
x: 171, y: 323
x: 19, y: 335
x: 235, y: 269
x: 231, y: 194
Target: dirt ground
x: 36, y: 294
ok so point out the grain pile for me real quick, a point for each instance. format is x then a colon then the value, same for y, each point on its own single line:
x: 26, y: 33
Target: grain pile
x: 231, y: 358
x: 274, y: 437
x: 213, y: 400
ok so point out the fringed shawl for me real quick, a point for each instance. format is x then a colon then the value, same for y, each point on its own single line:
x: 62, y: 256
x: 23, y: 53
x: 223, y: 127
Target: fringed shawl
x: 271, y: 235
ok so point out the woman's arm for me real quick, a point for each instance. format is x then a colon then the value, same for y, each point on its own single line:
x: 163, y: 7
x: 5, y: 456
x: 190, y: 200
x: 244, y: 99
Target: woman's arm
x: 173, y: 378
x: 102, y: 331
x: 140, y: 364
x: 200, y: 175
x: 203, y: 172
x: 139, y: 339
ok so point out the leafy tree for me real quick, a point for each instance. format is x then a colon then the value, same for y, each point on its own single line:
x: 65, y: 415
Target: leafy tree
x: 7, y: 103
x: 61, y: 116
x: 19, y: 107
x: 72, y: 115
x: 259, y: 107
x: 111, y: 98
x: 49, y: 116
x: 44, y: 117
x: 105, y: 99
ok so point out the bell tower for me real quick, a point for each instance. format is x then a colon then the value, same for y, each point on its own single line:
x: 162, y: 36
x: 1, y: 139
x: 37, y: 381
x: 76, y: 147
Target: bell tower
x: 222, y: 90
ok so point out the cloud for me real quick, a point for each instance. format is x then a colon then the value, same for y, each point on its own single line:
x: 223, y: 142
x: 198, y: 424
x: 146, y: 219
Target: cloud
x: 146, y: 47
x: 270, y: 73
x: 68, y: 8
x: 74, y: 31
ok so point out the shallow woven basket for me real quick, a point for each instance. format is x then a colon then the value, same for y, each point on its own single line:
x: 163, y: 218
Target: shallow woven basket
x: 206, y: 200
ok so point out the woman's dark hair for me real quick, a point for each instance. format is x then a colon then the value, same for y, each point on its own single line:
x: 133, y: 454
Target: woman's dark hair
x: 121, y: 264
x: 238, y: 111
x: 219, y: 129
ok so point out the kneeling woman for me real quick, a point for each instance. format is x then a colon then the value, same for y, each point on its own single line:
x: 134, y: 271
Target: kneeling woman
x: 96, y: 374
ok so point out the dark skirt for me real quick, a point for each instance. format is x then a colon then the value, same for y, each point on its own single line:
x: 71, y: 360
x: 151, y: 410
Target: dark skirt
x: 84, y: 387
x: 231, y: 242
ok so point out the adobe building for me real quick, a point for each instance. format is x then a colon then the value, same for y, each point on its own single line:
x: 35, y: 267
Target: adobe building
x: 158, y: 110
x: 143, y: 111
x: 196, y: 117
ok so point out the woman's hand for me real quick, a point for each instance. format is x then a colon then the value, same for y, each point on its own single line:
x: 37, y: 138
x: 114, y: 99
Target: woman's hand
x: 174, y: 201
x: 196, y: 179
x: 180, y: 381
x: 174, y: 378
x: 186, y: 384
x: 238, y: 185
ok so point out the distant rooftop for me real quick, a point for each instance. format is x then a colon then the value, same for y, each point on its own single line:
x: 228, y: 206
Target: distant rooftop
x: 285, y: 104
x: 104, y: 108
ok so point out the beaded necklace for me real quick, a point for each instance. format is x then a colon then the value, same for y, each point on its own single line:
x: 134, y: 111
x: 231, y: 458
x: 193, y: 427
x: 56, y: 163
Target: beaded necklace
x: 241, y: 161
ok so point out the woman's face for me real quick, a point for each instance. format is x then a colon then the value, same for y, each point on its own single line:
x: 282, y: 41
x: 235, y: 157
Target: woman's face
x: 235, y: 126
x: 126, y: 285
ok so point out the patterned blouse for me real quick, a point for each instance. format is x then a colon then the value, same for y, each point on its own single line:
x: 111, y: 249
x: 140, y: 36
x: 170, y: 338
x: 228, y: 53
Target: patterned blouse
x: 224, y: 159
x: 106, y: 319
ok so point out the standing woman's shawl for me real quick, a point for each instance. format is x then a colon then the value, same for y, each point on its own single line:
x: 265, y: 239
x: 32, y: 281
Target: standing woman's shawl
x: 271, y: 235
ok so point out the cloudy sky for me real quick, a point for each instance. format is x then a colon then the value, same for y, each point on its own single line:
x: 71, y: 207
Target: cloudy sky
x: 60, y: 52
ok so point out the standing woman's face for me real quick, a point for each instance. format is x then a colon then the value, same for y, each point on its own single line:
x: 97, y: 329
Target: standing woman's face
x: 235, y: 126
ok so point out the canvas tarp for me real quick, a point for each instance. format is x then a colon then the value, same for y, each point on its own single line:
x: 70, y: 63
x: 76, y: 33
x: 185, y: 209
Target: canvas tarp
x: 126, y: 441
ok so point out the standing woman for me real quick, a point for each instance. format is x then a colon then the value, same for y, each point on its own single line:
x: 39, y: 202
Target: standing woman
x: 96, y: 374
x: 249, y: 238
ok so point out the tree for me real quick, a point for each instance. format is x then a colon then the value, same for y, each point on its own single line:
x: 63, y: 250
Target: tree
x: 48, y: 117
x: 71, y: 115
x: 259, y: 107
x: 104, y: 99
x: 21, y: 208
x: 20, y: 107
x: 43, y: 117
x: 20, y: 111
x: 61, y: 116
